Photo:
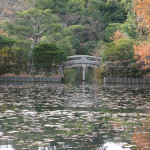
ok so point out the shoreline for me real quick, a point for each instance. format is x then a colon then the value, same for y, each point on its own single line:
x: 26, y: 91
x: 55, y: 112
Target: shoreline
x: 30, y: 79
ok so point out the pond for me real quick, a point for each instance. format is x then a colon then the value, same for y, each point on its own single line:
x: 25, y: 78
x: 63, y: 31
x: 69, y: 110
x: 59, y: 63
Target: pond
x: 44, y: 116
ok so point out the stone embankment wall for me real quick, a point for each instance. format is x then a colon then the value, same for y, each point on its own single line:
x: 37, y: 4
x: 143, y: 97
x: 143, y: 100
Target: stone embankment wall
x: 30, y: 79
x: 127, y: 80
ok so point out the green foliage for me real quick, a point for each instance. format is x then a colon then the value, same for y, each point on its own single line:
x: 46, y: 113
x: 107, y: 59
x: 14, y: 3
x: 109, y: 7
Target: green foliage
x: 111, y: 11
x: 5, y: 58
x: 52, y: 38
x: 63, y: 39
x: 32, y: 22
x: 130, y: 25
x: 67, y: 32
x: 100, y: 47
x: 56, y: 33
x: 101, y: 44
x: 6, y: 42
x: 109, y: 31
x: 19, y: 58
x: 75, y: 44
x: 60, y: 6
x: 89, y: 47
x: 44, y: 4
x: 77, y: 28
x: 74, y: 7
x: 47, y: 56
x: 3, y: 69
x: 67, y: 46
x: 119, y: 51
x: 55, y: 27
x: 14, y: 59
x: 128, y: 5
x: 22, y: 43
x: 57, y: 6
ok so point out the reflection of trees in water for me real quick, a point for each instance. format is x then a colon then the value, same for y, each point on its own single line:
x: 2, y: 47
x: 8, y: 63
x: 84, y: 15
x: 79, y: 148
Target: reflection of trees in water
x: 74, y: 75
x: 41, y: 115
x: 141, y: 136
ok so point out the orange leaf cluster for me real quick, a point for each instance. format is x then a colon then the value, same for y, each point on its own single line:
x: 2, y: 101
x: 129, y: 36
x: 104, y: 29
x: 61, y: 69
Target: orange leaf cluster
x: 142, y: 138
x: 8, y: 11
x: 142, y: 10
x: 142, y: 54
x: 3, y: 33
x: 117, y: 36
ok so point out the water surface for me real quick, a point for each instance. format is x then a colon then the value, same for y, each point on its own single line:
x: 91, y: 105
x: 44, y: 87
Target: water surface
x: 58, y: 116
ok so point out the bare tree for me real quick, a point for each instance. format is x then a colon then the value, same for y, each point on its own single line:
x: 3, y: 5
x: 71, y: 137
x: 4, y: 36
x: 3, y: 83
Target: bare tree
x: 8, y: 8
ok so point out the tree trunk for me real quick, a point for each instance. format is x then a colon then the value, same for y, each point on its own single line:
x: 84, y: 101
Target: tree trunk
x: 34, y: 42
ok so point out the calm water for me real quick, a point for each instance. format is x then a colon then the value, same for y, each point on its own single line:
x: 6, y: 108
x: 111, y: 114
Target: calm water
x: 82, y: 117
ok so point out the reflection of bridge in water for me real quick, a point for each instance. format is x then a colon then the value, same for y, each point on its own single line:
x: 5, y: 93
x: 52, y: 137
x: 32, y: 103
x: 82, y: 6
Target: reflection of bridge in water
x: 83, y: 61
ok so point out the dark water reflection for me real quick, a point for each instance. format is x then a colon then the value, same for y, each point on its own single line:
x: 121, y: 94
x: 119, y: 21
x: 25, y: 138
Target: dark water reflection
x: 83, y: 117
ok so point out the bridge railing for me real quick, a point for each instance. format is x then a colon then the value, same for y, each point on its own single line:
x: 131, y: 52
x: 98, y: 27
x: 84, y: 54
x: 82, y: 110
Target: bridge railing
x: 83, y: 61
x: 87, y: 57
x: 72, y: 62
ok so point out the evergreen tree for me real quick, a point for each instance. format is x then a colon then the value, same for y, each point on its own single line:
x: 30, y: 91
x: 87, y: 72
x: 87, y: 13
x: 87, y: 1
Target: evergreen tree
x: 32, y: 24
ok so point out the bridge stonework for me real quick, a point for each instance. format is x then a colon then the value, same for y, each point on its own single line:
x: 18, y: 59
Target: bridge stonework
x: 83, y: 61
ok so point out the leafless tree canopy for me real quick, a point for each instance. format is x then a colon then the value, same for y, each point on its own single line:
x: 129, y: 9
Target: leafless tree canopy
x: 9, y: 7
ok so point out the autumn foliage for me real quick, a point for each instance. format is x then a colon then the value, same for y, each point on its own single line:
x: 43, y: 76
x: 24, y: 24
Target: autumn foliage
x: 142, y: 51
x: 8, y: 8
x: 117, y: 36
x: 142, y: 54
x: 2, y: 33
x: 142, y: 138
x: 142, y: 10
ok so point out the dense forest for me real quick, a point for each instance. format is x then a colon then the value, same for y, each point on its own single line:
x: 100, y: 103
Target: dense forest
x: 45, y: 32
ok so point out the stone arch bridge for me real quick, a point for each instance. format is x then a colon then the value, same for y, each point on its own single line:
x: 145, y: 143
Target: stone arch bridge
x: 83, y: 61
